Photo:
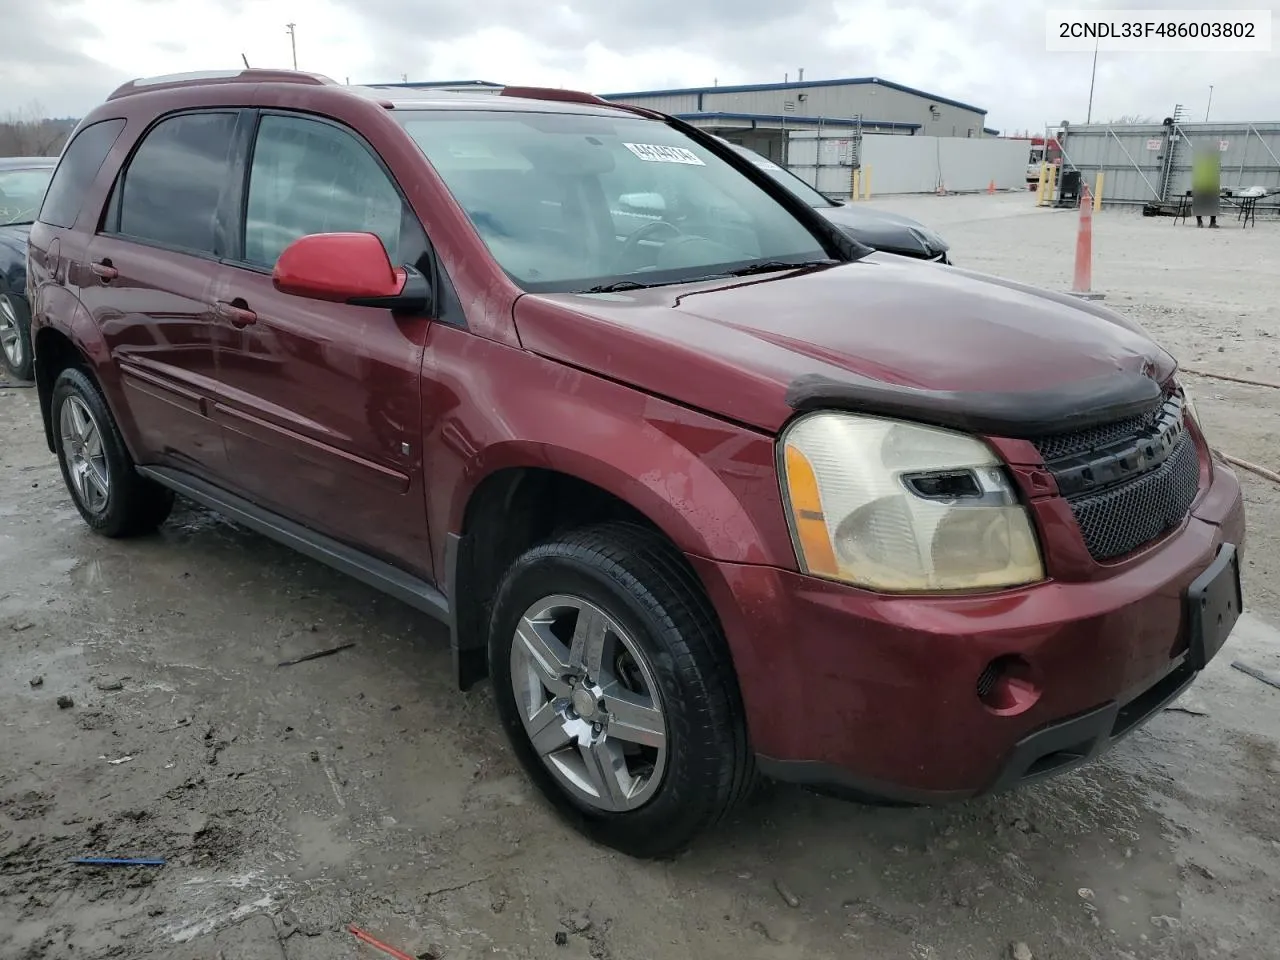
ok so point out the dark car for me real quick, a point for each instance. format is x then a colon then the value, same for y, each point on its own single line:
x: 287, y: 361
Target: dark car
x: 880, y: 229
x: 705, y: 494
x: 23, y: 181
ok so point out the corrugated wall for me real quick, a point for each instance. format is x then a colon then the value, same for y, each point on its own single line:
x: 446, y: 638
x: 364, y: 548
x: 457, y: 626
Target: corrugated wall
x: 872, y: 101
x: 909, y: 164
x: 1132, y: 158
x: 674, y: 104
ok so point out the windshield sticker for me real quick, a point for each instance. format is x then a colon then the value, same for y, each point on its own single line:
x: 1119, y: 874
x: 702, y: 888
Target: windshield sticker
x: 655, y: 153
x: 764, y: 164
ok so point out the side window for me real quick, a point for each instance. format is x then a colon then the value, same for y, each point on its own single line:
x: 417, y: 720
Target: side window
x: 80, y: 163
x: 176, y: 180
x: 312, y: 177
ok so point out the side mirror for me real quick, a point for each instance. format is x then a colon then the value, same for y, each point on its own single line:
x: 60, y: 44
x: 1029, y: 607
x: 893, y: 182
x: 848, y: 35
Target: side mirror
x: 349, y: 268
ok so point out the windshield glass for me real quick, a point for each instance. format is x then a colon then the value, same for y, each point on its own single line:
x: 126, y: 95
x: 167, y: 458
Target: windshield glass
x: 21, y: 192
x: 785, y: 177
x: 573, y: 201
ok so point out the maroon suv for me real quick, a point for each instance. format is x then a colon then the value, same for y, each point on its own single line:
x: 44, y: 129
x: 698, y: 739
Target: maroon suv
x: 703, y: 486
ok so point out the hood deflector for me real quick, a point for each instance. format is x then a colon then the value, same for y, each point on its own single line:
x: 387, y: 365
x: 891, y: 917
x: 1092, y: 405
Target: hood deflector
x: 1022, y: 414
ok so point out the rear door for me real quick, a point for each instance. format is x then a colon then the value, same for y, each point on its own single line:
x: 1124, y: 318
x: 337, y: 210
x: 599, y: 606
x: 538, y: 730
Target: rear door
x: 320, y: 402
x: 149, y: 280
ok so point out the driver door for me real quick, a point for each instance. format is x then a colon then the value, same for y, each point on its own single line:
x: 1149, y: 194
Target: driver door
x: 321, y: 409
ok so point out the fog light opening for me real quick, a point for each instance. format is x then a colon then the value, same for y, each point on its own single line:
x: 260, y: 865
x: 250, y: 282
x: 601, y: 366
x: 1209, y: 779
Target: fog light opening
x: 1006, y: 686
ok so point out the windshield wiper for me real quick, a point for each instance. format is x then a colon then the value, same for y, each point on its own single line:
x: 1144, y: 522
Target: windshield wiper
x: 764, y: 266
x: 618, y: 286
x: 772, y: 266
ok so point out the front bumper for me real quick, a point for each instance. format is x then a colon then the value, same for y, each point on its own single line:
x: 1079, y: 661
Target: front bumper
x: 877, y: 696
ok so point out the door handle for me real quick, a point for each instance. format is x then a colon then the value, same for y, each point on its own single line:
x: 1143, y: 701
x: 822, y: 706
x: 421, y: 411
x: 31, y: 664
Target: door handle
x: 103, y: 270
x: 238, y: 317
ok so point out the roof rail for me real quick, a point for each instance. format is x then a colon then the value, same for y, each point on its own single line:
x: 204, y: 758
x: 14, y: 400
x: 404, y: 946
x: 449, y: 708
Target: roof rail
x: 555, y: 93
x: 578, y: 96
x: 201, y: 77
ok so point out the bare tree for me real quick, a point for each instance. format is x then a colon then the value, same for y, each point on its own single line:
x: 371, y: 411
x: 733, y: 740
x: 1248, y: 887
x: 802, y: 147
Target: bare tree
x: 30, y: 133
x: 1131, y: 120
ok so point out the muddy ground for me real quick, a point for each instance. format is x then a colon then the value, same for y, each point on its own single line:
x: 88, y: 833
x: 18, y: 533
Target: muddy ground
x: 361, y: 788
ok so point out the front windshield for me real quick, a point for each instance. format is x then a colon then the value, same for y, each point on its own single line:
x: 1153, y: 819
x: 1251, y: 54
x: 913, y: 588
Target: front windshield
x: 569, y: 201
x: 785, y: 177
x: 21, y: 192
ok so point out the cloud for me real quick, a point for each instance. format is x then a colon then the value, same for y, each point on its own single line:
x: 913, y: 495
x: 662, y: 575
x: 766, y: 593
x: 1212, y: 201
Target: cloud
x: 986, y: 52
x: 44, y: 66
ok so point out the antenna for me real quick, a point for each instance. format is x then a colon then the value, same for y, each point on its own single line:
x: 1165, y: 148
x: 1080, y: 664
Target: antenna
x: 246, y: 62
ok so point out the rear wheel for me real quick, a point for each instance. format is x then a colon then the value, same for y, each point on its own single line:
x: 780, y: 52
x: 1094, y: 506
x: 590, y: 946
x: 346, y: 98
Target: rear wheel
x: 615, y: 687
x: 15, y: 336
x: 112, y: 497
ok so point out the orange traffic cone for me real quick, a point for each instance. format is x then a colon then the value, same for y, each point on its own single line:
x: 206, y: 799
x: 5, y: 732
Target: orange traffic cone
x: 1082, y: 285
x: 991, y: 187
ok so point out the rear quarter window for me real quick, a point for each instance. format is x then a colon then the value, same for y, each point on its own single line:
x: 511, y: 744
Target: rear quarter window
x: 80, y: 163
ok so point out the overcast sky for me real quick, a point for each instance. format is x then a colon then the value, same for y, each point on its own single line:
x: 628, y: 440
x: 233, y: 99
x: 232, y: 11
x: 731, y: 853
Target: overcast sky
x: 66, y: 55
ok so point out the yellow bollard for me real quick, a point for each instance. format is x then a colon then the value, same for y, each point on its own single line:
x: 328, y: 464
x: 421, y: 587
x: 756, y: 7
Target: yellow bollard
x: 1097, y: 190
x: 866, y: 185
x: 1050, y: 186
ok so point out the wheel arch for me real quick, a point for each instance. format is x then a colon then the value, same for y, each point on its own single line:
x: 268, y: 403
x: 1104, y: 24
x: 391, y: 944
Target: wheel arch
x: 72, y: 340
x: 530, y: 493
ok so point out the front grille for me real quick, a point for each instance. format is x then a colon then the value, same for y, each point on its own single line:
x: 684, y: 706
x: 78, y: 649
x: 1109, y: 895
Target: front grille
x: 1061, y: 445
x: 1122, y: 500
x: 1122, y: 519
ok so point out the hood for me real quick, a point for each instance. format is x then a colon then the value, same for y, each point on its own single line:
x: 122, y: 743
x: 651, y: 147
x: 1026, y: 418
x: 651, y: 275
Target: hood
x: 886, y: 231
x: 884, y: 333
x: 13, y: 238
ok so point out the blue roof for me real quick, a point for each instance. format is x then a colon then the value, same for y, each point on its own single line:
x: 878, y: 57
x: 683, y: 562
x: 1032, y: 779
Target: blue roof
x: 796, y: 85
x: 798, y: 121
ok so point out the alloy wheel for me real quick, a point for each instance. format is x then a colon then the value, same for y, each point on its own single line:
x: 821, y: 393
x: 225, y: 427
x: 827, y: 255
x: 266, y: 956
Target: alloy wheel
x: 11, y: 335
x: 85, y: 456
x: 589, y: 703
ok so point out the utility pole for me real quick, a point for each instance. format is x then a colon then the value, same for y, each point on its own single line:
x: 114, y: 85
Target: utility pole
x: 1209, y: 104
x: 1092, y: 77
x: 293, y: 42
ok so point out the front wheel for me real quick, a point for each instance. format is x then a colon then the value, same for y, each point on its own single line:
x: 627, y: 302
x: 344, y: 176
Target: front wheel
x: 112, y: 497
x: 15, y: 336
x: 616, y: 690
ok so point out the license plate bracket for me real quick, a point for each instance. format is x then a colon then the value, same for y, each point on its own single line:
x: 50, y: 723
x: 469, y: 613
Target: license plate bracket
x: 1213, y: 602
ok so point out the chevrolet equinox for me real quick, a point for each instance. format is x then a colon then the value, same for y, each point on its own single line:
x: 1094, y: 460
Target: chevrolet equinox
x: 708, y: 493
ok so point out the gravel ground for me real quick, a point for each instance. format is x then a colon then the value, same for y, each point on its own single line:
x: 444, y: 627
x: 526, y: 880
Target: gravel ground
x: 361, y: 788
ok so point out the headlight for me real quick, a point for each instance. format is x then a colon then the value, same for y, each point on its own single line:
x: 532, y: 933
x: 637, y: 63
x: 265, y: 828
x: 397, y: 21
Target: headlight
x: 899, y: 507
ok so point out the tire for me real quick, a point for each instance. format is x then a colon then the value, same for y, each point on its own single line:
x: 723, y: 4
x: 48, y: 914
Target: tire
x: 15, y: 336
x: 113, y: 498
x: 663, y: 649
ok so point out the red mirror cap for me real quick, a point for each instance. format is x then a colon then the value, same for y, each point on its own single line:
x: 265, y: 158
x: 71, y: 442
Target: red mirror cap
x: 337, y: 267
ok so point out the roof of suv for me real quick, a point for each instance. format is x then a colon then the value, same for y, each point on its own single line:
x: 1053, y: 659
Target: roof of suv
x: 391, y: 97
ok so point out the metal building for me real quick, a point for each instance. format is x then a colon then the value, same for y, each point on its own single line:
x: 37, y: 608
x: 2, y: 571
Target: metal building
x: 761, y: 116
x: 1150, y: 164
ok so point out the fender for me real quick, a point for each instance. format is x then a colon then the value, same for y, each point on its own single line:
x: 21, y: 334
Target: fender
x: 709, y: 484
x: 76, y: 324
x: 684, y: 497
